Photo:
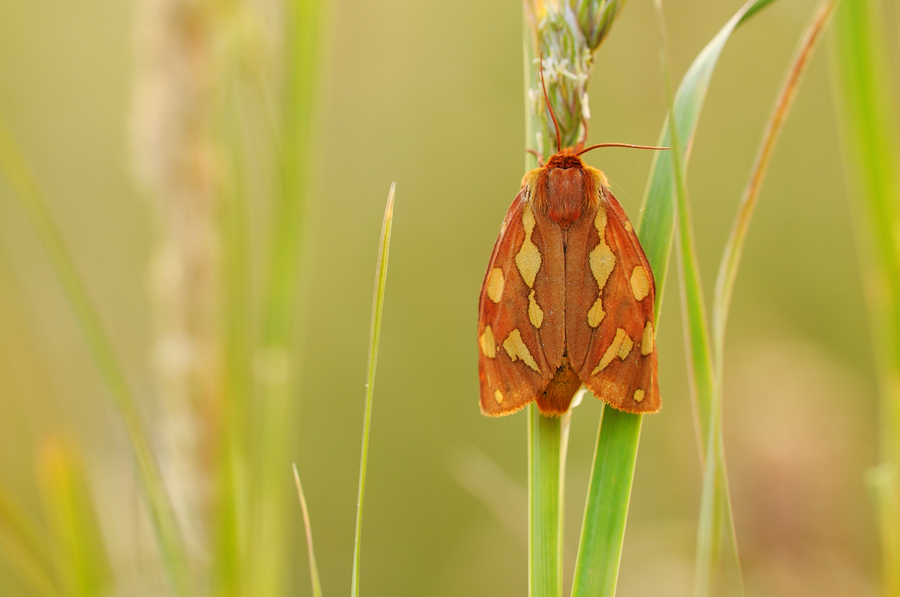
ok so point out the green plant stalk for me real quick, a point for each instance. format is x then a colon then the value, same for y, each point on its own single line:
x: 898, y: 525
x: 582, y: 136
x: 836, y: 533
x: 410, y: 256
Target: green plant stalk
x: 547, y: 440
x: 606, y: 508
x: 230, y: 425
x: 872, y: 152
x: 14, y: 166
x: 286, y: 268
x: 374, y: 336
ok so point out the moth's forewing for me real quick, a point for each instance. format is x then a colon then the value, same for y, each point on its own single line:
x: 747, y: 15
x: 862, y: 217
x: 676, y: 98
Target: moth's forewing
x: 611, y: 344
x: 520, y: 319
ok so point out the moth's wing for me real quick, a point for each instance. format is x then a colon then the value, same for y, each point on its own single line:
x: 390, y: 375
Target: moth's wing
x: 611, y: 344
x: 520, y: 311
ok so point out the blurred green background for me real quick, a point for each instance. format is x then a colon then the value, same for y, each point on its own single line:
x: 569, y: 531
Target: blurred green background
x: 430, y: 94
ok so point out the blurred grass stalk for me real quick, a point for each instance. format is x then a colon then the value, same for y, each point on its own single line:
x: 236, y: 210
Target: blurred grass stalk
x: 82, y: 567
x: 868, y: 125
x: 221, y: 127
x: 287, y: 267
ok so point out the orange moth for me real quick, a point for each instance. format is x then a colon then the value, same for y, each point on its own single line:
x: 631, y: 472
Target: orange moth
x: 567, y: 298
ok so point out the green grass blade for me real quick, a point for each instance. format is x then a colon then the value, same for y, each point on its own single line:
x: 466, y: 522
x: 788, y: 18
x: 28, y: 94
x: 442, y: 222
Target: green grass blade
x: 14, y: 166
x: 606, y: 510
x: 716, y: 527
x: 657, y: 217
x: 313, y: 568
x: 735, y: 244
x: 231, y: 420
x: 872, y: 152
x: 82, y: 565
x: 374, y: 335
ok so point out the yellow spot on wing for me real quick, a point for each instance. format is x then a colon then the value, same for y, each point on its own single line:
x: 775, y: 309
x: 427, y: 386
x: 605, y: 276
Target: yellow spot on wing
x: 640, y: 283
x: 498, y: 396
x: 625, y: 349
x: 596, y: 314
x: 638, y: 395
x: 495, y: 285
x: 615, y: 350
x: 535, y: 313
x: 628, y: 226
x: 647, y: 340
x: 486, y: 341
x: 516, y: 349
x: 602, y: 261
x: 528, y: 259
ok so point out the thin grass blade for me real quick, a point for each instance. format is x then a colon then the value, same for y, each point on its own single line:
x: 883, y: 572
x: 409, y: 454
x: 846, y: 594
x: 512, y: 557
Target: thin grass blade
x: 734, y: 247
x: 374, y: 336
x: 716, y: 528
x: 657, y: 216
x: 82, y: 564
x: 606, y: 510
x: 15, y: 168
x: 313, y: 568
x: 868, y: 125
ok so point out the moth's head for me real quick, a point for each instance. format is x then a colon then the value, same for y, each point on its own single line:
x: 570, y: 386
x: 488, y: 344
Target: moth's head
x: 564, y: 160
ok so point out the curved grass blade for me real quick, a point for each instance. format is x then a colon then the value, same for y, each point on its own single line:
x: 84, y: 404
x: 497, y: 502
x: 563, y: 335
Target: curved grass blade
x: 606, y: 510
x: 716, y: 529
x: 657, y: 216
x: 14, y: 166
x: 717, y: 561
x: 735, y: 244
x: 868, y: 125
x: 374, y: 335
x: 313, y: 568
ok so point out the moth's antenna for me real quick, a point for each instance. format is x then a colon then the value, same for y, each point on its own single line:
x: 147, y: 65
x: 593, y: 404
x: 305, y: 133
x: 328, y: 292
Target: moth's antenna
x: 622, y: 145
x: 549, y: 107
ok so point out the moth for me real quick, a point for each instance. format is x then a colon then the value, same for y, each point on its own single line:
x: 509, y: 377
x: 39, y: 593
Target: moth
x: 567, y: 298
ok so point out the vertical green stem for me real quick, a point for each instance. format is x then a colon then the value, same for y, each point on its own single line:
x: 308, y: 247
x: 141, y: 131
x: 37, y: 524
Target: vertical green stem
x: 547, y: 439
x: 277, y: 357
x: 872, y: 151
x: 547, y: 436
